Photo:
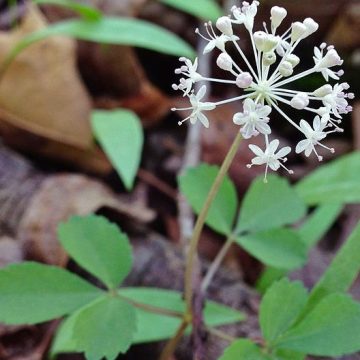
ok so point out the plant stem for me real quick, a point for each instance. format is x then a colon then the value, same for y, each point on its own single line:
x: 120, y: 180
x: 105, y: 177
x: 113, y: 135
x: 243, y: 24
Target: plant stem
x: 151, y: 308
x: 216, y: 263
x: 192, y: 253
x: 171, y: 345
x: 220, y: 334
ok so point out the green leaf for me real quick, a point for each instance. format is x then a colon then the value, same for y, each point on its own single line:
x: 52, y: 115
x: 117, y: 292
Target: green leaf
x: 244, y: 349
x: 204, y: 9
x: 269, y: 205
x: 195, y: 185
x: 341, y: 273
x: 31, y: 293
x: 332, y: 328
x: 311, y: 231
x: 280, y: 248
x: 214, y: 314
x: 283, y: 354
x: 98, y: 246
x: 336, y: 182
x: 268, y: 277
x: 86, y: 11
x: 110, y: 30
x: 318, y: 223
x: 104, y: 328
x: 280, y: 307
x: 150, y: 326
x: 121, y: 136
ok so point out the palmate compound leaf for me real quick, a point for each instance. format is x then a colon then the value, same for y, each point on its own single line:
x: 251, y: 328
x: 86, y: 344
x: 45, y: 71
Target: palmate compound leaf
x: 98, y: 246
x: 336, y: 182
x: 121, y: 136
x: 204, y: 9
x: 331, y: 328
x: 195, y: 185
x: 280, y: 307
x: 269, y: 205
x: 244, y: 349
x: 281, y: 248
x: 102, y: 329
x: 32, y: 293
x: 152, y: 326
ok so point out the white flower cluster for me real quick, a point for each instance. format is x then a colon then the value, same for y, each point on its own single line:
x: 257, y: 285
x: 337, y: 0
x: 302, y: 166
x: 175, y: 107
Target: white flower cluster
x: 265, y: 83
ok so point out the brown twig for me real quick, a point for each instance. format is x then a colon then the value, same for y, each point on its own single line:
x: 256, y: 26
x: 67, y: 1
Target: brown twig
x: 157, y: 183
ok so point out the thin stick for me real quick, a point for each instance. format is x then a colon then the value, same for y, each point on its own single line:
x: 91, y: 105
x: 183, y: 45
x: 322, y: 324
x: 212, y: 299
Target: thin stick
x: 216, y: 264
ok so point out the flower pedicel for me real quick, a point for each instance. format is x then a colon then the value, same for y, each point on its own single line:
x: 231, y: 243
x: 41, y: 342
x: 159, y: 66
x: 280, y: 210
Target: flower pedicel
x: 265, y: 84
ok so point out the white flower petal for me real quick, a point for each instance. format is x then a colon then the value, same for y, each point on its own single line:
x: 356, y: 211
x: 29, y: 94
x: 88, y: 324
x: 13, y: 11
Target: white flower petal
x: 256, y: 150
x: 301, y: 146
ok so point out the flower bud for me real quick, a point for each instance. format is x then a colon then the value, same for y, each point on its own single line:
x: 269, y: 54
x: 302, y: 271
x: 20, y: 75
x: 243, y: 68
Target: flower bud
x: 259, y: 38
x: 278, y: 14
x: 224, y: 62
x: 244, y: 80
x: 286, y: 69
x: 224, y: 25
x: 311, y: 26
x: 300, y: 101
x: 298, y: 29
x: 269, y: 58
x: 293, y: 59
x: 323, y: 90
x: 331, y: 59
x: 265, y: 42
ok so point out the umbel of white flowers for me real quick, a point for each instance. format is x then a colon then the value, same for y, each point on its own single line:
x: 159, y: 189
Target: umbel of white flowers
x: 264, y: 84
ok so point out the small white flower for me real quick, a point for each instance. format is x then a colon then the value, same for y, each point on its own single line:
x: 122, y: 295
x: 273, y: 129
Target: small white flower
x: 336, y: 100
x: 323, y: 63
x: 192, y: 76
x: 253, y: 119
x: 197, y: 108
x: 215, y: 41
x: 270, y: 157
x: 246, y: 14
x: 313, y: 136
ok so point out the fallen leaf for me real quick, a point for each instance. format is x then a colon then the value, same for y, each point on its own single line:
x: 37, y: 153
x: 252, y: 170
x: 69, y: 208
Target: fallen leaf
x: 44, y: 107
x: 37, y: 229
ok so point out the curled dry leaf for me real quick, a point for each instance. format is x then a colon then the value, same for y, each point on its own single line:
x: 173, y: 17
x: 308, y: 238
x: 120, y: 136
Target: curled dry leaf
x: 37, y: 230
x: 44, y: 108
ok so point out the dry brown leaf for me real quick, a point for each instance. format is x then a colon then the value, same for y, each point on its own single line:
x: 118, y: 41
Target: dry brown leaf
x: 56, y: 200
x: 41, y: 90
x: 44, y: 108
